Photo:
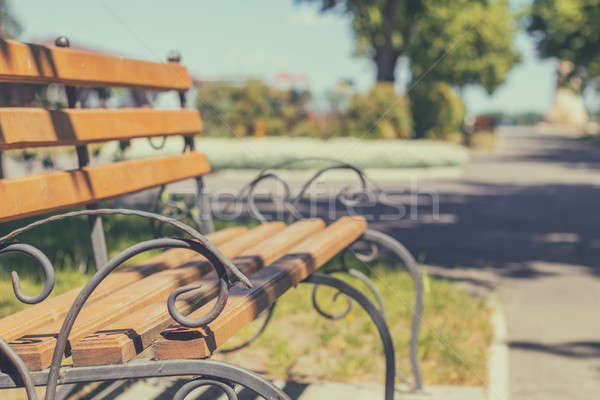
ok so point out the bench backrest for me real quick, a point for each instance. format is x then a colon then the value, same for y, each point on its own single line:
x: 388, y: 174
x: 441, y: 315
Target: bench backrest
x: 22, y: 128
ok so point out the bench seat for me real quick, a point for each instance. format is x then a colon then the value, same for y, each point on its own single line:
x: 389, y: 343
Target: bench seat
x: 130, y: 314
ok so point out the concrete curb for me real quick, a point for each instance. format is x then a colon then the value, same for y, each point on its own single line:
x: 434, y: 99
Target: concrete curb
x: 498, y: 375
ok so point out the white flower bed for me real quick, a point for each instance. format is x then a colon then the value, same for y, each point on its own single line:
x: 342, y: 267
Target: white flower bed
x: 266, y: 152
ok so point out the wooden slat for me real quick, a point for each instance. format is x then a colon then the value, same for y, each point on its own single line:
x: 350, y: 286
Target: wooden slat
x: 33, y: 63
x: 36, y: 348
x: 35, y: 127
x: 122, y: 340
x: 42, y: 193
x: 55, y: 308
x: 244, y: 305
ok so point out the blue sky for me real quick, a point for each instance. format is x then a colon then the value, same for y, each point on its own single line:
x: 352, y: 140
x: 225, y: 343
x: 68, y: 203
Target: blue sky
x: 234, y: 39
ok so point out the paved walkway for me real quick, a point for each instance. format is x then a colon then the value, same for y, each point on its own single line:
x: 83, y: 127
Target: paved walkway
x: 525, y: 220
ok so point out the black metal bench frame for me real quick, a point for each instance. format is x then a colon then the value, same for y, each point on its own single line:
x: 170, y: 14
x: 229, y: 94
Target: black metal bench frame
x: 211, y: 373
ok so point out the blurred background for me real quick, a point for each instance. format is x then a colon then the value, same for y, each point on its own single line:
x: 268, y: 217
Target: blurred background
x: 488, y: 110
x: 320, y: 68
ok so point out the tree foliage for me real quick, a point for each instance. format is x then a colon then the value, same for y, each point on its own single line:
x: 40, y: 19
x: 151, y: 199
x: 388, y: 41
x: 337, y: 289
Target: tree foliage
x: 254, y: 108
x: 437, y: 110
x: 459, y: 41
x: 380, y: 113
x: 568, y: 30
x: 251, y: 108
x: 465, y: 45
x: 9, y: 26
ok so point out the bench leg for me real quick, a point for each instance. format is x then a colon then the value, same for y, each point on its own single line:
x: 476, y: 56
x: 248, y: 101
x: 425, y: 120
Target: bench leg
x: 396, y: 248
x: 377, y: 318
x: 203, y: 218
x: 376, y: 240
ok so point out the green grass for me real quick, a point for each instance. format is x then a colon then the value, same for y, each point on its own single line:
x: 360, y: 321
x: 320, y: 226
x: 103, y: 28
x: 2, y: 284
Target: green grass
x: 298, y: 344
x: 249, y: 153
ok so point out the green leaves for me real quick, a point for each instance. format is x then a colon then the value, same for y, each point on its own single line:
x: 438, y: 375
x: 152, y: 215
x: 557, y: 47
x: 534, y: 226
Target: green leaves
x: 437, y: 110
x: 380, y: 113
x: 568, y: 30
x: 251, y: 108
x: 458, y: 41
x: 466, y: 43
x: 9, y: 25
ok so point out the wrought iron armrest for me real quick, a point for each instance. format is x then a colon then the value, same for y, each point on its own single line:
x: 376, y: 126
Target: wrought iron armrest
x: 368, y: 188
x: 227, y: 273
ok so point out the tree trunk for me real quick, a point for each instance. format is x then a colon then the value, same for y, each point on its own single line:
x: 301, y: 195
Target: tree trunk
x: 385, y: 61
x: 385, y: 55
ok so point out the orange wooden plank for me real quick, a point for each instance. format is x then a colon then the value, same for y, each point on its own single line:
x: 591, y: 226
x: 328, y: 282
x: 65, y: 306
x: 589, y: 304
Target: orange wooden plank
x: 244, y: 304
x: 33, y: 63
x: 35, y: 127
x: 122, y: 340
x: 55, y: 308
x: 37, y: 347
x: 42, y: 193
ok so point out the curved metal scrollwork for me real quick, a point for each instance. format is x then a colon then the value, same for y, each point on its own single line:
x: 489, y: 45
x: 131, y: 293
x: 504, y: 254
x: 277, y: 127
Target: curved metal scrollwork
x: 198, y: 210
x: 198, y: 383
x: 43, y: 261
x: 368, y: 188
x: 208, y: 371
x: 252, y: 209
x: 326, y: 314
x: 372, y: 242
x: 198, y: 243
x: 388, y: 347
x: 49, y: 280
x: 395, y: 248
x: 9, y: 354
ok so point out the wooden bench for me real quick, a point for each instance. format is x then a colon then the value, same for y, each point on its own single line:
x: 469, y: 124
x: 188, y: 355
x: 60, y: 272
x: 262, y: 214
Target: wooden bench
x: 183, y: 303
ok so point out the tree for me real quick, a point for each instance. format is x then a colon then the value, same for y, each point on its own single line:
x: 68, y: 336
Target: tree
x: 464, y: 41
x: 464, y: 46
x: 568, y: 30
x: 9, y: 26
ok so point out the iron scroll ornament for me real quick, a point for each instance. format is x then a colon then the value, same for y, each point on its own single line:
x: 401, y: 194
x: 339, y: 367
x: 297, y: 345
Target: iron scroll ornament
x: 227, y: 272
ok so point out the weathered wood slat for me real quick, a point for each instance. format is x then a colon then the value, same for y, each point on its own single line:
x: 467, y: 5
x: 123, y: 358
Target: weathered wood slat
x: 122, y: 340
x: 36, y: 127
x: 36, y: 348
x: 55, y: 308
x: 33, y: 63
x: 244, y: 305
x: 42, y: 193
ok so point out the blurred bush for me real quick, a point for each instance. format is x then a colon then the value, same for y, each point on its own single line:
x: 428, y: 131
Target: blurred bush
x: 380, y: 114
x: 250, y: 109
x: 437, y: 110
